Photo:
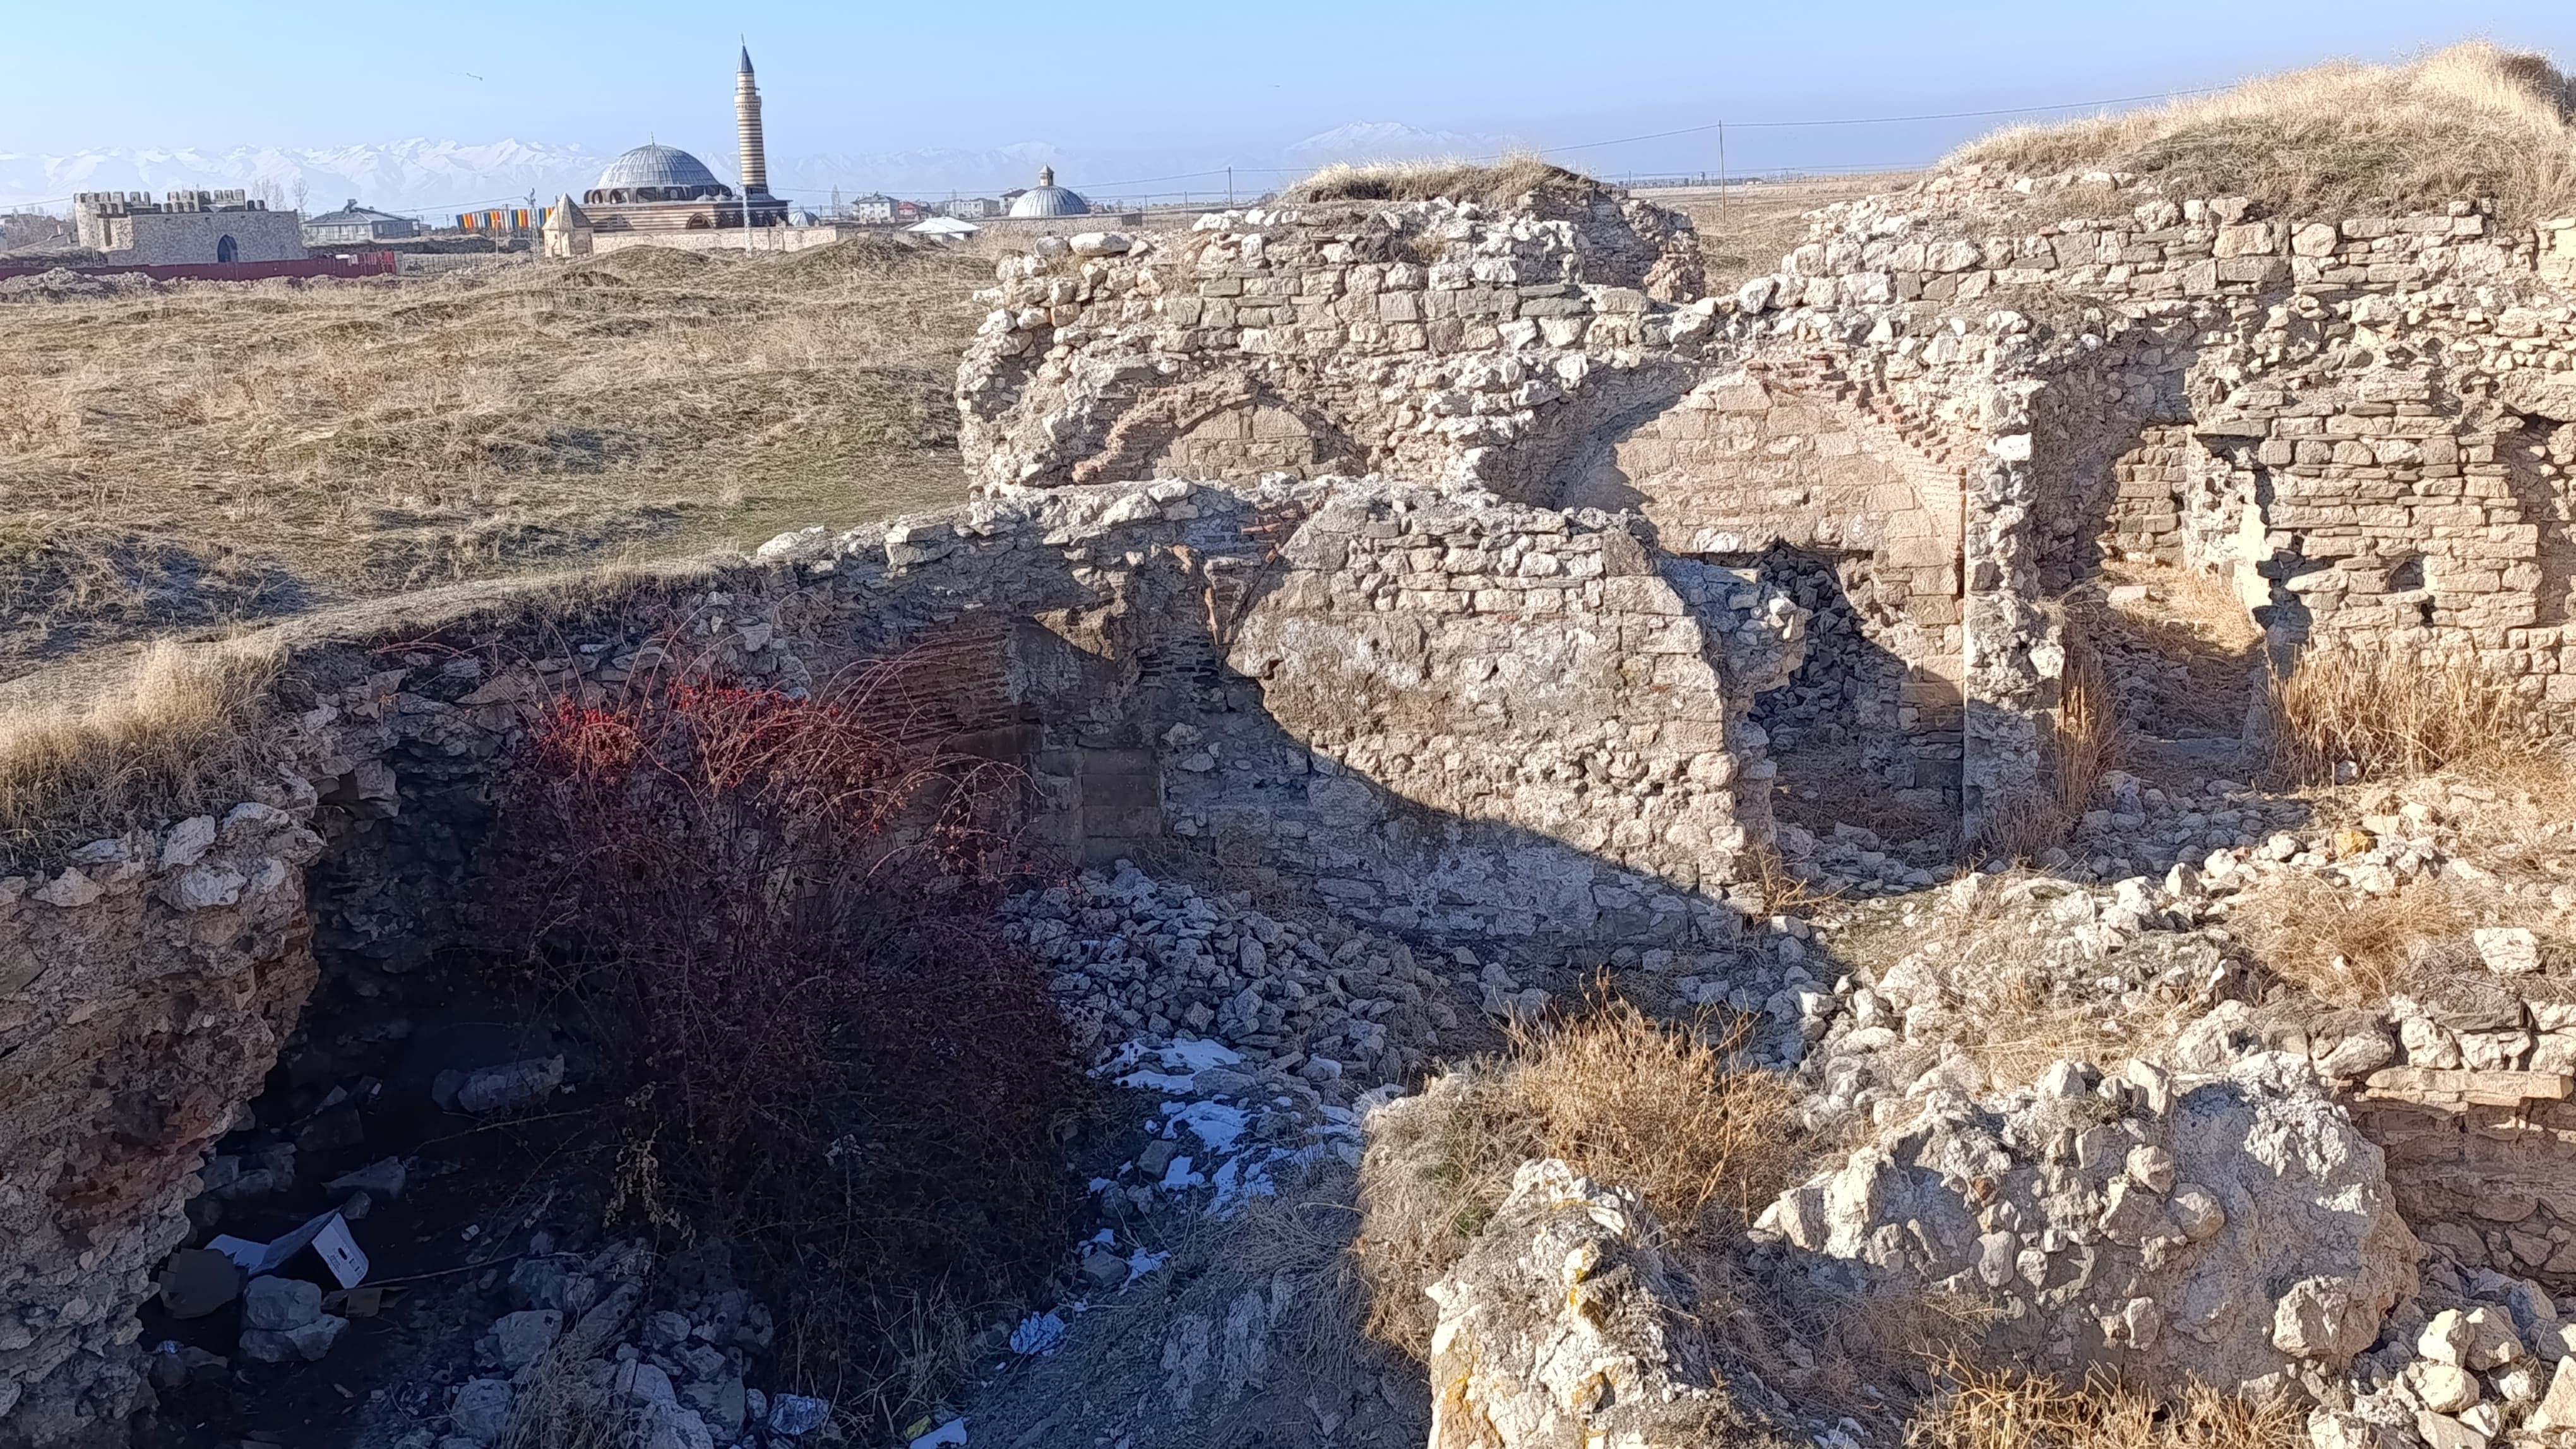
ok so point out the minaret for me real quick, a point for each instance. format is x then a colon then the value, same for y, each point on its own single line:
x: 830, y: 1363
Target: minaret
x: 746, y: 119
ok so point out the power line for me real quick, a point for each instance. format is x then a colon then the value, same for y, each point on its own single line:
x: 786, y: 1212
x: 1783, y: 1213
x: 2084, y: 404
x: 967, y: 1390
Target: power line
x: 1543, y: 151
x: 1878, y: 120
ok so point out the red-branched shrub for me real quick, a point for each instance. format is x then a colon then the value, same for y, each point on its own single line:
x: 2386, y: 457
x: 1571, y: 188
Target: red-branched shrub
x: 777, y: 915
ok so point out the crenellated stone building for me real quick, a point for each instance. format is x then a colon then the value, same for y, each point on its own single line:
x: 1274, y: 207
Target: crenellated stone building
x: 185, y: 228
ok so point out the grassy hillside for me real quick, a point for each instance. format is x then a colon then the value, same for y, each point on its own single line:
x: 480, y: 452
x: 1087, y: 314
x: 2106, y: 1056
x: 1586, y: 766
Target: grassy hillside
x: 192, y: 454
x: 2342, y: 139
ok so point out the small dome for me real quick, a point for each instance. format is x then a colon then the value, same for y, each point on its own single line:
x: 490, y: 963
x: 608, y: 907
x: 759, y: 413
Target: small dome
x: 656, y: 166
x: 1048, y: 199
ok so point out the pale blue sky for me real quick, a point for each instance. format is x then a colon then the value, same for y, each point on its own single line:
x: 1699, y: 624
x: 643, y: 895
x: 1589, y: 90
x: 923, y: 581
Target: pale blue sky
x: 1152, y: 83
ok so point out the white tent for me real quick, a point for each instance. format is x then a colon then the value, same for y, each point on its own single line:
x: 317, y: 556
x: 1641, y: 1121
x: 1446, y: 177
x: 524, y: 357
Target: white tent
x: 944, y: 226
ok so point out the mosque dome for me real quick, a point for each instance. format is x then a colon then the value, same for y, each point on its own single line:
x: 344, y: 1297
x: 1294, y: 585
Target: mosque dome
x: 656, y: 173
x: 1048, y: 199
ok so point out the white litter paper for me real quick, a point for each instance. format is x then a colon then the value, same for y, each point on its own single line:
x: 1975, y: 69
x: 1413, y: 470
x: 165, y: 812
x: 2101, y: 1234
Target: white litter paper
x: 348, y: 1261
x: 952, y: 1432
x: 327, y: 1235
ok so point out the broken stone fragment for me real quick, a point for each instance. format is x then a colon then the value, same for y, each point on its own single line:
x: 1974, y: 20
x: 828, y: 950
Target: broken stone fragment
x: 2443, y: 1388
x: 385, y: 1179
x: 518, y: 1339
x: 486, y: 1090
x: 2557, y: 1407
x: 188, y: 840
x: 280, y: 1304
x: 205, y: 887
x: 69, y: 891
x: 795, y: 1415
x: 481, y: 1409
x: 308, y: 1344
x: 2507, y: 950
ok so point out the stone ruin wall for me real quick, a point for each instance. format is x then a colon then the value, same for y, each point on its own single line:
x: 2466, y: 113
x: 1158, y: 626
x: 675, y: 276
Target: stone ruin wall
x: 1457, y: 718
x: 1463, y: 708
x: 1515, y: 358
x: 2357, y: 422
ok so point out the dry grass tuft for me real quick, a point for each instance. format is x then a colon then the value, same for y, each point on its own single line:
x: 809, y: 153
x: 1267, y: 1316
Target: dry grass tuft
x: 2341, y: 139
x: 2007, y: 1409
x: 2346, y: 948
x: 1627, y: 1099
x: 1503, y: 183
x: 1622, y: 1098
x: 186, y: 725
x: 2390, y: 712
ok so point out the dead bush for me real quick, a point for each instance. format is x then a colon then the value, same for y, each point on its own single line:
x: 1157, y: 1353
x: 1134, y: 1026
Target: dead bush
x: 1622, y: 1098
x: 2346, y: 948
x: 2007, y: 1409
x: 181, y: 735
x: 1504, y: 183
x: 775, y: 917
x: 2341, y: 139
x: 2376, y: 712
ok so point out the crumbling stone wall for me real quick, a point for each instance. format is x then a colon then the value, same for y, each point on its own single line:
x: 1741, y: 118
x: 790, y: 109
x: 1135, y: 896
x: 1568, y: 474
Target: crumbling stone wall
x: 1457, y: 718
x: 1744, y: 463
x: 2226, y: 1228
x: 2356, y: 420
x: 2381, y: 394
x: 144, y: 990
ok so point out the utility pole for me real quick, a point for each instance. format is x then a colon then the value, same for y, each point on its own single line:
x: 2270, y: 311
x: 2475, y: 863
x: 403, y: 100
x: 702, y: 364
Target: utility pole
x: 1721, y: 175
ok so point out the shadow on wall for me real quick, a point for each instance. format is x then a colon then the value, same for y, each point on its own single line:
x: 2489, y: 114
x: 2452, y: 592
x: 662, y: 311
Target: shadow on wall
x: 1289, y: 703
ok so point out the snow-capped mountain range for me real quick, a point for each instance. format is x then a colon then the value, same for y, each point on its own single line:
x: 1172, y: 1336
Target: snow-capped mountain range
x: 442, y: 177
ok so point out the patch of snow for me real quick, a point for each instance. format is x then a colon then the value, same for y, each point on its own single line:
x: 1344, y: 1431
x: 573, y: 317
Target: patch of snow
x: 1218, y: 1125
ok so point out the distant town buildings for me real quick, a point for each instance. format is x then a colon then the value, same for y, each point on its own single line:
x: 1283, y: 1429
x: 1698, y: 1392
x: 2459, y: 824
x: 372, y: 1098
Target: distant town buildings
x: 970, y: 208
x: 185, y: 227
x: 354, y: 225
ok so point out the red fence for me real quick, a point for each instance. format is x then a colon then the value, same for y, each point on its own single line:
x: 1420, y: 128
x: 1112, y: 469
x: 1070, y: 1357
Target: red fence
x: 359, y: 264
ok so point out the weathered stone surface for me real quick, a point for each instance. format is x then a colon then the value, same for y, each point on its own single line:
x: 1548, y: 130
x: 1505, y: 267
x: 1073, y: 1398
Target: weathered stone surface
x: 2275, y: 1256
x: 1563, y: 1326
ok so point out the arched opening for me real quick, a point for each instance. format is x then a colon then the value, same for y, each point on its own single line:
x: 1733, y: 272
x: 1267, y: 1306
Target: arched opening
x: 1849, y: 732
x: 227, y: 250
x: 1862, y: 529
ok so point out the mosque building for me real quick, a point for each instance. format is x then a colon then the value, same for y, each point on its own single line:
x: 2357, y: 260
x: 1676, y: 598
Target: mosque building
x: 1046, y: 199
x: 656, y: 188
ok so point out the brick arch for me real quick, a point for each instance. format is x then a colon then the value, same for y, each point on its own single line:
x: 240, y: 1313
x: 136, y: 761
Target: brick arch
x: 1746, y: 464
x: 1229, y: 426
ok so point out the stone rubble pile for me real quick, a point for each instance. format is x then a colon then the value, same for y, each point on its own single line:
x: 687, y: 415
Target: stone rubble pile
x: 582, y: 1353
x: 2475, y: 1358
x: 1262, y: 1035
x: 2231, y: 1228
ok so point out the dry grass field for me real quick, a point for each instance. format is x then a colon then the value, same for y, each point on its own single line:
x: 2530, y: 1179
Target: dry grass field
x: 1744, y: 232
x: 2339, y: 139
x: 198, y: 454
